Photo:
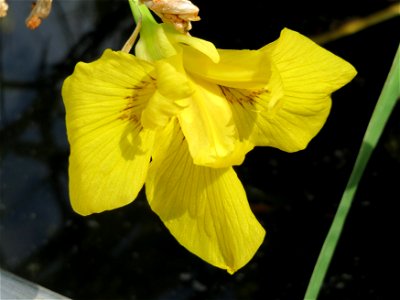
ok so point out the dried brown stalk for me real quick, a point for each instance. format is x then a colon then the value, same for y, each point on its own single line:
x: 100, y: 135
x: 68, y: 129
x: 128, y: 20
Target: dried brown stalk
x: 3, y: 8
x: 40, y: 10
x: 359, y: 24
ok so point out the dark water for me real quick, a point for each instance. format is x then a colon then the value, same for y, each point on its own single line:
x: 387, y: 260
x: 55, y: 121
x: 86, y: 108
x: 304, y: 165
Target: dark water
x: 127, y: 253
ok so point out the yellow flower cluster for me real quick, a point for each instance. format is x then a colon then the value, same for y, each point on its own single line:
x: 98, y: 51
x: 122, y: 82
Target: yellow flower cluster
x: 177, y: 116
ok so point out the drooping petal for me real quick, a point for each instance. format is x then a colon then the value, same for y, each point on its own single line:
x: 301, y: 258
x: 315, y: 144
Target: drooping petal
x: 205, y: 209
x: 295, y: 104
x: 110, y: 151
x: 209, y: 129
x: 173, y: 89
x: 236, y: 68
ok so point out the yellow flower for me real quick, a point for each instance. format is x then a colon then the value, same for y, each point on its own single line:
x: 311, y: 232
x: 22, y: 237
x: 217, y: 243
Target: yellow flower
x: 178, y: 116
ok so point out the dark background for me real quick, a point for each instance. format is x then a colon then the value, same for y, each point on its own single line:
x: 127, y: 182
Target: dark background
x: 128, y: 253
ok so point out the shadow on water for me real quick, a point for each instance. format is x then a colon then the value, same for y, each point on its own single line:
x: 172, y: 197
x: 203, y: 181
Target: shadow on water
x: 127, y: 253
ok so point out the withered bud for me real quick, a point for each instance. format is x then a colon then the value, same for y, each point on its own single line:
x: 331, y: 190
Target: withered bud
x: 40, y: 10
x: 179, y: 13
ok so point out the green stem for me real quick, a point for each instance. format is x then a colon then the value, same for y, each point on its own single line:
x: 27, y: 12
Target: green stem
x: 141, y: 12
x: 153, y: 43
x: 386, y: 102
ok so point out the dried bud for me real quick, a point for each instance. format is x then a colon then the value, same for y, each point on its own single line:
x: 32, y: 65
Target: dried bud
x: 40, y: 10
x: 176, y: 12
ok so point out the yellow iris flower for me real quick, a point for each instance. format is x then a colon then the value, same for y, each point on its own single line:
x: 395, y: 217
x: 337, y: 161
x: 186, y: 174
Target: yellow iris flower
x: 178, y: 115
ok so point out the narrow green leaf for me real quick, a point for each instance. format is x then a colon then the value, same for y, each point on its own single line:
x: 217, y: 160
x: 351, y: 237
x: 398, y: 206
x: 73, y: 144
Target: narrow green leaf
x: 386, y: 102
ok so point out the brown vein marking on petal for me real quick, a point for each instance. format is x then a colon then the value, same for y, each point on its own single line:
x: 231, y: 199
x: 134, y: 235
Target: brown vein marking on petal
x: 138, y: 99
x: 243, y: 96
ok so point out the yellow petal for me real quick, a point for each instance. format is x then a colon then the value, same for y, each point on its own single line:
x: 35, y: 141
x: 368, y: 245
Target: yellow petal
x: 209, y: 129
x: 306, y: 68
x: 160, y: 110
x: 295, y: 104
x: 172, y: 81
x: 205, y: 209
x: 205, y: 47
x: 287, y: 126
x: 170, y: 98
x: 110, y: 152
x: 236, y: 68
x: 158, y: 41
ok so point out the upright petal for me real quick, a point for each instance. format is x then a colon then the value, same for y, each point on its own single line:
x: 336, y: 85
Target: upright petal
x: 205, y: 209
x: 295, y: 104
x: 236, y: 68
x: 110, y: 151
x: 158, y: 41
x: 209, y: 129
x: 203, y: 46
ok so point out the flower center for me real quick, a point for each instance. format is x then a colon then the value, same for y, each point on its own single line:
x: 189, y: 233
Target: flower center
x: 137, y: 101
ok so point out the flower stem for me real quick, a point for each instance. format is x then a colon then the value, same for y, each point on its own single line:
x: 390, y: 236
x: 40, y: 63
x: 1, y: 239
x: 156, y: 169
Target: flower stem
x: 141, y: 12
